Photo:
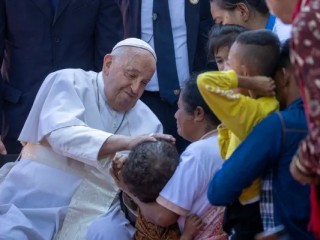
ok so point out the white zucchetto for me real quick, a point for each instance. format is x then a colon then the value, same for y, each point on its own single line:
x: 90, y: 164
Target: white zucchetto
x: 135, y: 42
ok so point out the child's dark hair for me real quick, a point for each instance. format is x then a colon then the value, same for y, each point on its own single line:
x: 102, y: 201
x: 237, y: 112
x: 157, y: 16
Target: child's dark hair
x: 191, y: 96
x: 148, y: 168
x: 258, y: 5
x: 262, y: 51
x: 221, y: 36
x: 284, y: 59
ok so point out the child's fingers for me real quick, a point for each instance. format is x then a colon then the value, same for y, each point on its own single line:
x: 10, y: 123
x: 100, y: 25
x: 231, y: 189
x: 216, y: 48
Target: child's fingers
x: 198, y: 222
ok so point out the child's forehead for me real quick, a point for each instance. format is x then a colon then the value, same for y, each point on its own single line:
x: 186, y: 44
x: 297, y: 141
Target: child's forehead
x: 238, y: 47
x: 223, y: 50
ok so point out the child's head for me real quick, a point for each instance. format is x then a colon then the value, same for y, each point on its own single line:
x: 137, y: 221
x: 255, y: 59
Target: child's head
x: 284, y: 78
x: 255, y: 53
x: 148, y: 168
x: 221, y: 38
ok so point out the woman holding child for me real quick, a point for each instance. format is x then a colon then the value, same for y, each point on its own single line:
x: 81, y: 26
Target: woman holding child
x: 185, y: 193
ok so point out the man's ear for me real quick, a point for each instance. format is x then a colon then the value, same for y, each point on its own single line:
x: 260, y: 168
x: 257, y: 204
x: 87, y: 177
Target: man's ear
x: 107, y: 60
x: 199, y: 114
x: 244, y: 11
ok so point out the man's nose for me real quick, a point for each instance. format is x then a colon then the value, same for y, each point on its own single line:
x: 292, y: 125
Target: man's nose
x: 135, y: 86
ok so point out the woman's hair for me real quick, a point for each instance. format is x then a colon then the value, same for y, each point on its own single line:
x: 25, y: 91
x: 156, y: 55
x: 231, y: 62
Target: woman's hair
x: 192, y: 98
x: 221, y: 36
x: 284, y: 59
x: 148, y: 168
x: 258, y: 5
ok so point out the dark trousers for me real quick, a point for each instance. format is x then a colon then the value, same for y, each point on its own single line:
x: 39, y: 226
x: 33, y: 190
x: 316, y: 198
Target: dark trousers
x: 242, y: 222
x: 165, y: 112
x: 8, y: 158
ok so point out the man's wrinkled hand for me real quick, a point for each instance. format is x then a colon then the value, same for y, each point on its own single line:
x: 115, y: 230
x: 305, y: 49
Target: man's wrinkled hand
x: 150, y: 137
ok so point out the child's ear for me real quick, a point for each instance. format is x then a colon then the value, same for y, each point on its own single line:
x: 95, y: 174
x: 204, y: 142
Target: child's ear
x: 244, y: 11
x: 245, y: 71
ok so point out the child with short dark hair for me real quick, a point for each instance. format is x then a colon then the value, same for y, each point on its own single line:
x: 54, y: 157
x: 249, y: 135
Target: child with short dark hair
x: 221, y: 37
x: 146, y: 171
x: 148, y: 168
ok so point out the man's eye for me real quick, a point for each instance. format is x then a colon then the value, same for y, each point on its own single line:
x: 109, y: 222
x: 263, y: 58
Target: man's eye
x: 131, y: 76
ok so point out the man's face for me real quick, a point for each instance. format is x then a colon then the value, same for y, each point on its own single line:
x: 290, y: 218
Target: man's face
x: 125, y: 77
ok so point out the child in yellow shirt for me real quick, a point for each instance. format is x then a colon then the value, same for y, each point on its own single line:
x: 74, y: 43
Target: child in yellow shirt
x: 254, y: 53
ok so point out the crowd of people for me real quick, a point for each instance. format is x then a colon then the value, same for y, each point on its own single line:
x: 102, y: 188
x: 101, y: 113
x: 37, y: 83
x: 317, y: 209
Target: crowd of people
x: 140, y: 119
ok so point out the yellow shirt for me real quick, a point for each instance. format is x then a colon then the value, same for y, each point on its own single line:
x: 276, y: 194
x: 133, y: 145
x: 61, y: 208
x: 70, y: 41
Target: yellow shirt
x: 238, y: 113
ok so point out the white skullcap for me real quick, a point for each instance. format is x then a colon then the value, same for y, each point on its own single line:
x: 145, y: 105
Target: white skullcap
x: 135, y: 42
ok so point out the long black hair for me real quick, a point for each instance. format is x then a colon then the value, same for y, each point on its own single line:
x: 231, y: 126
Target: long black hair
x: 258, y: 5
x: 191, y: 96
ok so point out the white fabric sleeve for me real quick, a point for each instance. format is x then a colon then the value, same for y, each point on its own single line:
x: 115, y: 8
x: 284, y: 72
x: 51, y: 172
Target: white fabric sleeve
x: 78, y: 142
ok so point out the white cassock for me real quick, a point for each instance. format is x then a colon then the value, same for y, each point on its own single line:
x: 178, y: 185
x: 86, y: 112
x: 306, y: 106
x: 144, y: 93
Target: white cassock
x: 59, y: 186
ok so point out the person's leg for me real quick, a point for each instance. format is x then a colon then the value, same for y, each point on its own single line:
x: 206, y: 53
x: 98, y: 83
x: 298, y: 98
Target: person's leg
x: 112, y: 225
x: 16, y: 225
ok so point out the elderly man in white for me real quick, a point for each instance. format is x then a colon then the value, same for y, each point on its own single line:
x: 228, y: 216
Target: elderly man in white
x: 79, y: 120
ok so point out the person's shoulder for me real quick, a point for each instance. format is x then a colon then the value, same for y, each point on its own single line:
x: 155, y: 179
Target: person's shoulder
x: 271, y: 120
x: 72, y: 75
x: 203, y: 148
x: 294, y: 117
x: 267, y: 105
x: 203, y: 155
x: 69, y: 73
x: 65, y: 79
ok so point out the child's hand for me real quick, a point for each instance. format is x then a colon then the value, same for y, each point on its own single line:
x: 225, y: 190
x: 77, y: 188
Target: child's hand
x: 192, y: 225
x: 117, y: 163
x: 115, y: 170
x: 263, y: 86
